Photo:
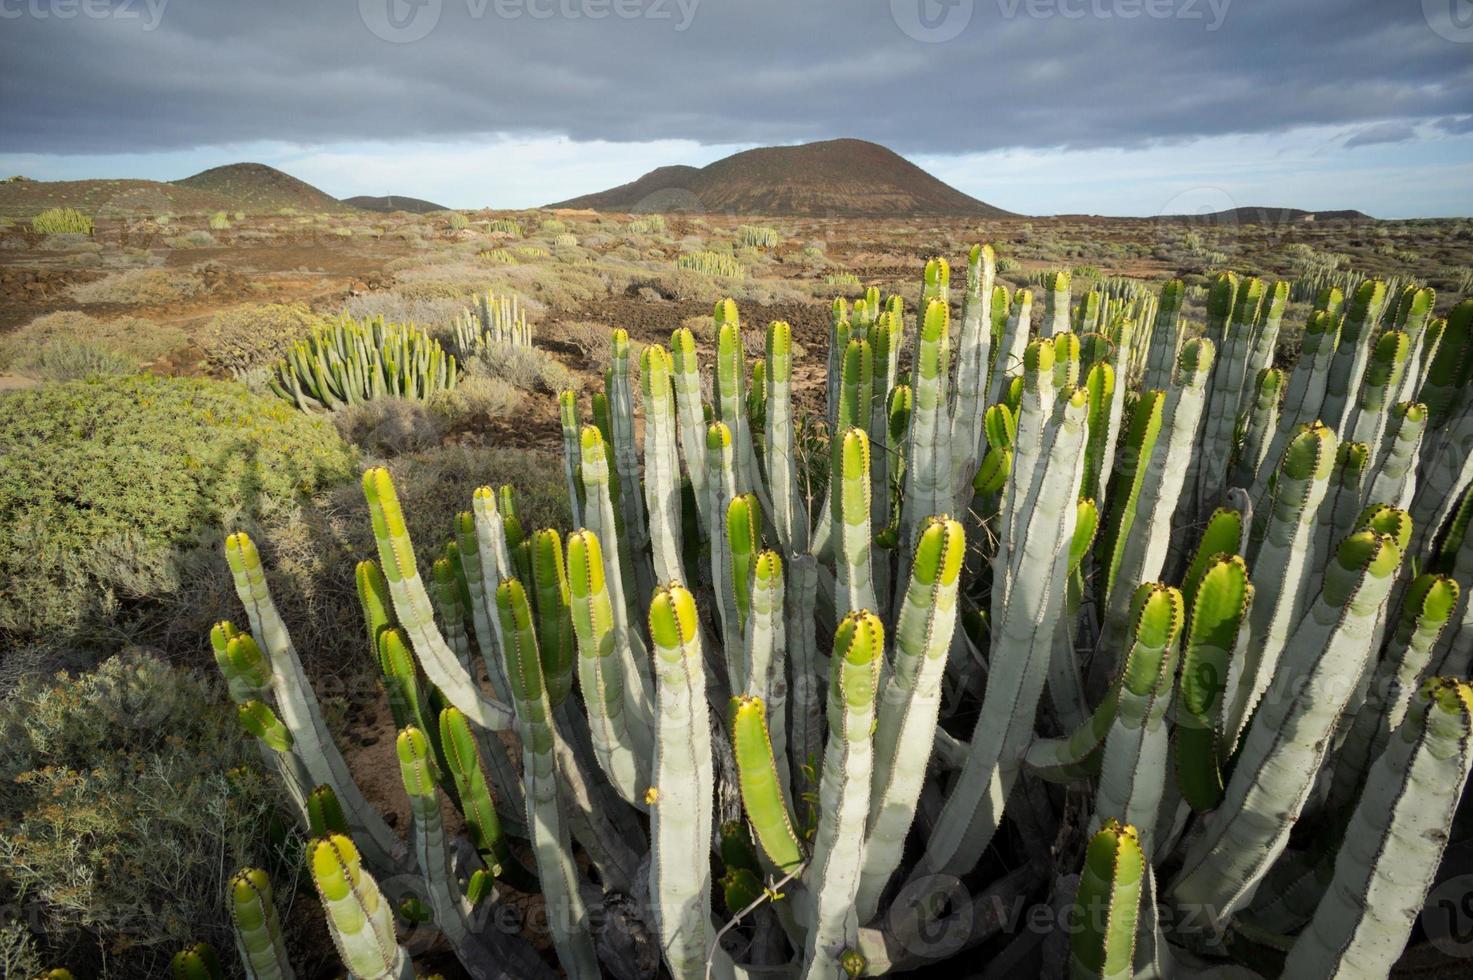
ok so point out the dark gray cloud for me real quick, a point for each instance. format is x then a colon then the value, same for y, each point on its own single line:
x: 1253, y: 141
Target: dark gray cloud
x: 1040, y: 73
x: 1386, y: 132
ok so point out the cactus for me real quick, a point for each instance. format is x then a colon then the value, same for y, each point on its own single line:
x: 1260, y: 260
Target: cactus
x: 348, y: 361
x: 712, y: 264
x: 492, y: 320
x: 62, y: 221
x: 1226, y: 685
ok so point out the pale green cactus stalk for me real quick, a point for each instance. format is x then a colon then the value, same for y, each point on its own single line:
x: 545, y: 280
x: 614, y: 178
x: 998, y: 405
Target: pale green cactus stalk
x: 764, y: 798
x: 1144, y: 550
x: 1413, y: 315
x: 482, y: 567
x: 1055, y: 303
x: 832, y: 876
x: 312, y: 742
x: 358, y: 916
x: 805, y: 694
x: 414, y: 611
x: 1290, y: 733
x: 1444, y: 383
x: 909, y: 700
x: 1134, y: 764
x: 431, y: 847
x: 1394, y: 842
x: 1263, y: 422
x: 789, y: 515
x: 661, y: 464
x: 446, y: 589
x: 731, y: 396
x: 1107, y: 905
x: 690, y: 412
x: 721, y: 484
x: 1426, y: 608
x: 1015, y: 339
x: 256, y: 926
x: 1065, y: 682
x: 633, y: 525
x: 1279, y: 565
x: 1225, y: 392
x: 1026, y: 614
x: 743, y: 544
x: 545, y: 817
x: 1164, y: 340
x: 683, y: 785
x: 569, y: 419
x: 622, y: 749
x: 1305, y: 393
x: 1381, y: 381
x: 1337, y: 512
x: 1266, y: 336
x: 927, y: 454
x: 973, y: 348
x: 1137, y: 449
x: 854, y: 587
x: 1393, y: 479
x: 1219, y: 597
x: 628, y: 644
x: 483, y: 824
x: 1351, y: 353
x: 766, y: 651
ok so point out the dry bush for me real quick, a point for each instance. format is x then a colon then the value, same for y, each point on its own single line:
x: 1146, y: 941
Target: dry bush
x: 59, y: 346
x: 395, y: 307
x: 527, y: 368
x: 387, y: 427
x: 138, y: 287
x: 254, y: 336
x: 475, y: 400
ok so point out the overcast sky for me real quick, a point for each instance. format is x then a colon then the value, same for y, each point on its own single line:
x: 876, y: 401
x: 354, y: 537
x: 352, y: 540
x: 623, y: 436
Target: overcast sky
x: 1038, y: 106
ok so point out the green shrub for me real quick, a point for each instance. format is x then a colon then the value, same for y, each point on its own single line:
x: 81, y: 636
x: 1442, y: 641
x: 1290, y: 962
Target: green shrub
x: 107, y: 485
x: 219, y: 221
x: 506, y: 226
x: 842, y: 280
x: 68, y: 344
x: 61, y: 221
x: 127, y: 799
x: 553, y: 226
x: 252, y: 336
x: 458, y: 221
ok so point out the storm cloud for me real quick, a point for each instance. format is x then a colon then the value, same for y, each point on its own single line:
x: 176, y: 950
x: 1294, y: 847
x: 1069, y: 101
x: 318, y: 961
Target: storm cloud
x: 921, y: 76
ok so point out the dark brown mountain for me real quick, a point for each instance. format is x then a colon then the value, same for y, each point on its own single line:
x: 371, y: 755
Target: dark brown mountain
x: 835, y: 178
x: 393, y: 202
x: 261, y: 188
x: 1270, y: 216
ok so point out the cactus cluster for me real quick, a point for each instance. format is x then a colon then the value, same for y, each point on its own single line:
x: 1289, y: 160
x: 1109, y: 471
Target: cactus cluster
x: 346, y: 361
x: 758, y: 236
x: 61, y: 221
x: 712, y: 264
x: 492, y: 320
x: 1164, y: 606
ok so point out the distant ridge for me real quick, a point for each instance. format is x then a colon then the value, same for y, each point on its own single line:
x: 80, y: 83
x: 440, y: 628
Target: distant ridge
x: 1270, y: 216
x: 261, y: 188
x: 393, y: 202
x: 834, y: 178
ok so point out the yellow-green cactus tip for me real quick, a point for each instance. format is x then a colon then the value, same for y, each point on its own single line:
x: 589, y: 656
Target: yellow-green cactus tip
x: 1039, y: 355
x: 1310, y: 453
x: 1157, y: 612
x: 939, y: 552
x: 853, y: 963
x: 718, y: 436
x: 673, y: 616
x: 1433, y: 597
x: 591, y: 439
x: 1374, y: 552
x: 1387, y: 520
x: 336, y: 867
